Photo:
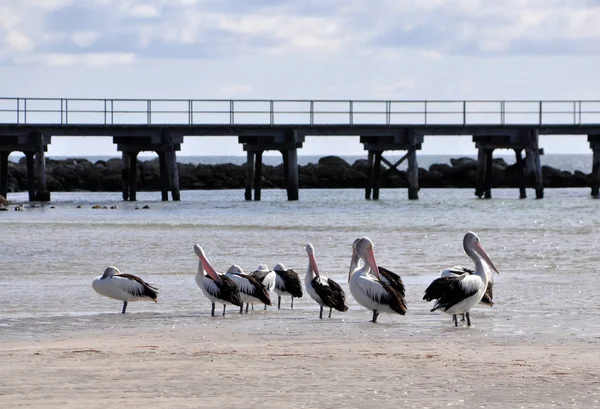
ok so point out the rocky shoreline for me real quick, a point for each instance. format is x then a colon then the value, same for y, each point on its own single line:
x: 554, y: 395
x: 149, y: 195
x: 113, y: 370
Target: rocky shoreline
x: 330, y: 172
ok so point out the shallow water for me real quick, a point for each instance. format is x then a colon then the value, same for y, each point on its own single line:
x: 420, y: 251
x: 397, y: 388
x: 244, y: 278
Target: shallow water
x: 546, y: 251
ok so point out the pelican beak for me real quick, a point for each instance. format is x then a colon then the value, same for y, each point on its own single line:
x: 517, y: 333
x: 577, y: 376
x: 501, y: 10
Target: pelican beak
x: 481, y: 251
x: 313, y: 264
x: 372, y: 263
x: 353, y: 264
x: 210, y: 270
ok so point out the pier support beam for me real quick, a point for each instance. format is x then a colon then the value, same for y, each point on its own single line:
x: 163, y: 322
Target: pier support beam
x: 174, y: 175
x: 165, y: 185
x: 413, y: 175
x: 594, y: 141
x: 534, y: 163
x: 4, y: 173
x: 369, y: 186
x: 521, y: 173
x: 132, y: 176
x: 30, y: 160
x: 249, y: 175
x: 480, y: 178
x: 489, y: 167
x: 254, y: 174
x: 125, y: 175
x: 41, y: 194
x: 290, y: 169
x: 596, y: 173
x: 376, y: 174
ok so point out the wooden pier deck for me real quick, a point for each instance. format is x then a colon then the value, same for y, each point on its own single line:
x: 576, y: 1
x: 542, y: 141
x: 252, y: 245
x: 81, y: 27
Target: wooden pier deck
x: 160, y: 125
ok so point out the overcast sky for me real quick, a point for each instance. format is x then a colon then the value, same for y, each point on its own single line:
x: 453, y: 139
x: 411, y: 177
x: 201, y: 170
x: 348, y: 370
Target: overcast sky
x: 301, y: 49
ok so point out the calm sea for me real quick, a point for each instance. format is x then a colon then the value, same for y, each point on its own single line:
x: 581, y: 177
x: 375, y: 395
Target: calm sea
x: 546, y: 251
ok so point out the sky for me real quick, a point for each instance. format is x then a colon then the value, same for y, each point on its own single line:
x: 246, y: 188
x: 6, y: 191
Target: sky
x: 302, y: 49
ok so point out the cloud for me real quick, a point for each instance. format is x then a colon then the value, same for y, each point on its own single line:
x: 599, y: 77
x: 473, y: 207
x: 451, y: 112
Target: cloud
x: 212, y: 29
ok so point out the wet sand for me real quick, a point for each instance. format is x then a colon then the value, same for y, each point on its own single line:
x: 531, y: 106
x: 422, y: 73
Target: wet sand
x: 306, y: 363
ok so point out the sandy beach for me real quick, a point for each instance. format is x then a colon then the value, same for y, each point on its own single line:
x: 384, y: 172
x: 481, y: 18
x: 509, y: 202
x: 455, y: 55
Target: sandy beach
x: 286, y: 363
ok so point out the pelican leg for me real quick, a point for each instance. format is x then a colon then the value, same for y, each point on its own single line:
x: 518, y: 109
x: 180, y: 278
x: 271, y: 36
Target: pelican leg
x: 124, y: 307
x: 329, y: 312
x: 278, y: 302
x: 224, y: 306
x: 455, y: 318
x: 247, y: 305
x: 212, y: 311
x: 241, y: 308
x: 252, y: 306
x: 463, y: 317
x: 265, y: 307
x: 468, y: 319
x: 292, y: 306
x: 321, y: 313
x: 375, y: 315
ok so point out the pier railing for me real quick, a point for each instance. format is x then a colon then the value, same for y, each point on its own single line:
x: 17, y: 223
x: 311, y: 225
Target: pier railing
x: 78, y: 111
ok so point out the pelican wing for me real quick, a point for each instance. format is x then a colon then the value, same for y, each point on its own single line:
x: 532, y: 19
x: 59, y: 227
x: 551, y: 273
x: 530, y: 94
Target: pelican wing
x: 330, y: 292
x: 449, y: 291
x: 254, y: 288
x: 135, y: 286
x: 383, y: 293
x: 291, y: 282
x: 228, y: 290
x: 393, y: 280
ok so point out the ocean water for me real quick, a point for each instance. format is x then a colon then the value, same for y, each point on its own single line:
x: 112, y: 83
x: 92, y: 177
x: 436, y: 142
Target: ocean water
x: 546, y: 251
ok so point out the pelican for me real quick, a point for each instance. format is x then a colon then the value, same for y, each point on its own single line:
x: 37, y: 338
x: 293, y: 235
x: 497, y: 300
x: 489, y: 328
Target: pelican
x: 266, y: 277
x: 325, y: 291
x: 459, y: 270
x: 216, y: 287
x: 459, y: 293
x: 251, y: 290
x: 287, y: 282
x: 124, y: 287
x: 375, y: 288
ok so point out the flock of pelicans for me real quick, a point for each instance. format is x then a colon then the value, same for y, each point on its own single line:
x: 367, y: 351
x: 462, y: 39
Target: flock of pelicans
x: 377, y: 289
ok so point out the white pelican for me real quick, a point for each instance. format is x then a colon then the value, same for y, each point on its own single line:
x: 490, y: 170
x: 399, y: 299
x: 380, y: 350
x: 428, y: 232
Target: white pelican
x: 266, y: 277
x: 216, y: 287
x: 251, y: 290
x: 459, y: 293
x: 123, y: 287
x: 374, y: 287
x: 287, y: 282
x: 459, y: 270
x: 325, y: 291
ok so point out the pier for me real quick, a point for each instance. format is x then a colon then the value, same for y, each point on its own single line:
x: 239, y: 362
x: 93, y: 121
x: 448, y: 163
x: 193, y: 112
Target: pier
x: 28, y: 125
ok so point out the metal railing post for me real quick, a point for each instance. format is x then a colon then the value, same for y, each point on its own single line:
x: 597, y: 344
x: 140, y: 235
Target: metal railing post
x: 425, y: 112
x: 464, y: 112
x: 271, y: 108
x: 148, y: 112
x: 540, y: 113
x: 104, y: 111
x: 18, y: 110
x: 61, y: 111
x: 579, y: 112
x: 312, y: 112
x: 351, y: 108
x: 231, y: 114
x: 388, y: 113
x: 574, y: 113
x: 24, y: 110
x: 190, y: 112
